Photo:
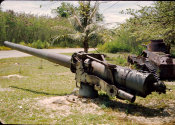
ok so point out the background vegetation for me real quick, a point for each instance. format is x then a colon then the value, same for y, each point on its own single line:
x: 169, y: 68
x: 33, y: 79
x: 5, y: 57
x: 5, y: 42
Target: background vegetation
x: 74, y: 26
x: 148, y: 23
x: 84, y: 19
x: 123, y: 41
x: 21, y: 27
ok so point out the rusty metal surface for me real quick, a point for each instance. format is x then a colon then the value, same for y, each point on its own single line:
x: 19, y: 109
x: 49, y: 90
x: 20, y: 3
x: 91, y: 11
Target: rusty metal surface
x: 125, y: 77
x: 164, y: 62
x: 104, y: 76
x: 155, y: 60
x: 158, y: 46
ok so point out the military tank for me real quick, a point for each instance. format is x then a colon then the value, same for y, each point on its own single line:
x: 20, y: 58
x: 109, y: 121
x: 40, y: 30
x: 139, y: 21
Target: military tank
x: 156, y: 60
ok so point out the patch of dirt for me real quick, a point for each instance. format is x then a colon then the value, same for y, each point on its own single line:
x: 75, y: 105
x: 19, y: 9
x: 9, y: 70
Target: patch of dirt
x: 59, y: 74
x: 170, y: 83
x: 143, y: 114
x: 70, y: 104
x: 13, y: 76
x: 5, y: 89
x: 64, y: 73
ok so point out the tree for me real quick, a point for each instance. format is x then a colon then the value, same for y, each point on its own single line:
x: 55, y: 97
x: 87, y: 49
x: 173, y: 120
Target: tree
x: 3, y: 27
x: 64, y: 10
x: 153, y: 22
x: 84, y: 21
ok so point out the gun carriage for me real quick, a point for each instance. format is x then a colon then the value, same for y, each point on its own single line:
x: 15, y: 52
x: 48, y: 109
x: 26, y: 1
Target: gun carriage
x: 94, y: 73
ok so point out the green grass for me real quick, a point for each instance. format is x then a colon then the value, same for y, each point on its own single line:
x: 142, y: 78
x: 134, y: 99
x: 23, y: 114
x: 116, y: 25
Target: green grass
x: 43, y: 79
x: 119, y: 58
x: 36, y: 83
x: 173, y: 51
x: 4, y: 48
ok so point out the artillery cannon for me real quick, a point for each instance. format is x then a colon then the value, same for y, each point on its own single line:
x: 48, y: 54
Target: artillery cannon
x: 156, y: 60
x: 94, y: 74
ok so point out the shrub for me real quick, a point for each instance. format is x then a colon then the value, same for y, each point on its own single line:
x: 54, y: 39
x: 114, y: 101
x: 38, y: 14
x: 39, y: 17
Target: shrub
x: 4, y: 48
x: 123, y: 42
x: 46, y: 44
x: 38, y: 44
x: 114, y: 46
x: 22, y: 43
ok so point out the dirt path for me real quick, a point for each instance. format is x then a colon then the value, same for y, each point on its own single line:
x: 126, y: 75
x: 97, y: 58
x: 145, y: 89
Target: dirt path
x: 14, y: 53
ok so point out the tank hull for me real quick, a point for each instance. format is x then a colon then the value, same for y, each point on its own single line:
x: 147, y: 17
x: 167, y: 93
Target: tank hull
x: 162, y: 64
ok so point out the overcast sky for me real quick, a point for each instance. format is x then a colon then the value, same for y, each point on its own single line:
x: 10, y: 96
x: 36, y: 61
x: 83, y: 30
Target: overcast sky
x: 110, y: 9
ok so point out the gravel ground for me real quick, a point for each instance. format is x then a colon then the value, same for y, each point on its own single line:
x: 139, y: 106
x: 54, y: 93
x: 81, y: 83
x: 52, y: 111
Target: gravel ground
x: 14, y: 53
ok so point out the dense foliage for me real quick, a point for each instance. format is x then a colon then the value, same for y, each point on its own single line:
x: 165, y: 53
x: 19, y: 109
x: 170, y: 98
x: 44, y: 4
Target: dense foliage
x: 64, y: 10
x: 123, y: 42
x: 31, y: 29
x: 157, y: 22
x: 41, y: 31
x: 78, y: 27
x: 150, y: 22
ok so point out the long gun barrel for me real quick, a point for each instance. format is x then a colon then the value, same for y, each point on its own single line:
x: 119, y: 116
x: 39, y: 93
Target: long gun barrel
x: 55, y: 58
x: 92, y: 71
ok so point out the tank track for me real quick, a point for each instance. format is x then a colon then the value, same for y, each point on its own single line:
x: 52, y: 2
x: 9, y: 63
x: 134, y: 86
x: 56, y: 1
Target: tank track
x: 152, y: 70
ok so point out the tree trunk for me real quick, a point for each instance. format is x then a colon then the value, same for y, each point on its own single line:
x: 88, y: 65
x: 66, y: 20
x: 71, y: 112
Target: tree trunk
x: 168, y: 48
x: 86, y: 45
